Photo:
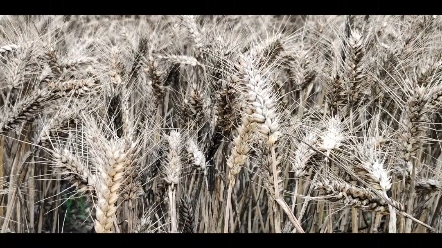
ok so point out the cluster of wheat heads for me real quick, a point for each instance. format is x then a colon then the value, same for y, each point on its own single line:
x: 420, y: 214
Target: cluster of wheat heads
x: 197, y: 124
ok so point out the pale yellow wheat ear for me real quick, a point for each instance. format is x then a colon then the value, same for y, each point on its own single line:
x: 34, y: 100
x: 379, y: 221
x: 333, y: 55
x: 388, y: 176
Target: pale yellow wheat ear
x: 194, y: 31
x: 196, y: 156
x: 303, y: 153
x: 333, y: 135
x: 172, y: 174
x: 373, y: 157
x: 260, y: 116
x: 111, y: 157
x: 70, y: 165
x: 373, y: 170
x: 172, y: 171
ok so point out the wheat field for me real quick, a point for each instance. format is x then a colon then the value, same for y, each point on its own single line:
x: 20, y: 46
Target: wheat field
x: 220, y: 124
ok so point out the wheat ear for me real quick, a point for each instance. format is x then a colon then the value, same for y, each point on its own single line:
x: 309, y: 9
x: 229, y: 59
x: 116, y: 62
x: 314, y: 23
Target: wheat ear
x: 107, y: 189
x: 111, y: 157
x: 172, y: 175
x: 69, y: 164
x: 263, y: 111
